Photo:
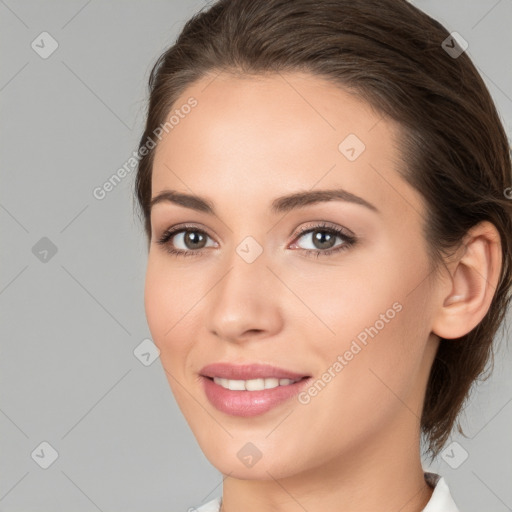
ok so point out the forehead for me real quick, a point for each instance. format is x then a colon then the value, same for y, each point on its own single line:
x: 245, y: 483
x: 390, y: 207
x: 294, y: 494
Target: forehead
x: 249, y: 137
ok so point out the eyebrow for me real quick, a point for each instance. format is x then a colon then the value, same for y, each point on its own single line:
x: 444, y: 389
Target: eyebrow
x: 279, y: 205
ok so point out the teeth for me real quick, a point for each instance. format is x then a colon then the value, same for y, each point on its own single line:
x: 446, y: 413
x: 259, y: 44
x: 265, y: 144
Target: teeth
x: 252, y: 384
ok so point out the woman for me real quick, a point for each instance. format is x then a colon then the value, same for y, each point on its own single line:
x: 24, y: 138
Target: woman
x: 323, y: 186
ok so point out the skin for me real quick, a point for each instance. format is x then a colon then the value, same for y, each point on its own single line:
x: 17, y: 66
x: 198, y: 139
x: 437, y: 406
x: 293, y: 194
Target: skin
x: 355, y: 445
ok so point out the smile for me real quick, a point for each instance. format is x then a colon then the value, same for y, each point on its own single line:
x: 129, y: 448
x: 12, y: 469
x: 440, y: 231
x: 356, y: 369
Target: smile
x: 252, y: 397
x: 252, y: 384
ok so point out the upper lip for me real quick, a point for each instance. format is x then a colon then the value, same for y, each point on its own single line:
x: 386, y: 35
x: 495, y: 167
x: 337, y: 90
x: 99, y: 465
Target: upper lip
x: 248, y: 371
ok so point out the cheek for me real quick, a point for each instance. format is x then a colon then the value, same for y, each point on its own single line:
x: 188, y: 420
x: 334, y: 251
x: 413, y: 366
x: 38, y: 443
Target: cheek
x: 342, y: 301
x: 167, y: 321
x: 374, y: 383
x: 376, y: 317
x: 381, y: 338
x: 156, y: 300
x: 166, y: 307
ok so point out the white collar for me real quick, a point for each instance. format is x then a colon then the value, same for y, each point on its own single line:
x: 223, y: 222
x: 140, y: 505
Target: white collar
x: 440, y: 501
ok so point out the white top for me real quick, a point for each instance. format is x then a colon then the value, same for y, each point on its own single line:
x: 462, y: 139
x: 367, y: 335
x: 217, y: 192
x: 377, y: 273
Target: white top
x: 440, y: 501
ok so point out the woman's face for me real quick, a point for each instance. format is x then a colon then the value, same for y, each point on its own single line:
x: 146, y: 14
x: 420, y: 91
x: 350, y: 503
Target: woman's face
x: 267, y: 281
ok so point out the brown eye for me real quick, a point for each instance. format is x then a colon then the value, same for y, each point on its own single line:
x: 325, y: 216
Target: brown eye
x: 323, y: 239
x: 184, y: 241
x: 194, y: 239
x: 189, y: 241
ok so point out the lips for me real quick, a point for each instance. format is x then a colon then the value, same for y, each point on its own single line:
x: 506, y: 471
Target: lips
x: 236, y: 389
x: 248, y: 372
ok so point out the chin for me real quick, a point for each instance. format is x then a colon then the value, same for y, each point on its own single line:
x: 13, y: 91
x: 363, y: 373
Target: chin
x: 244, y: 461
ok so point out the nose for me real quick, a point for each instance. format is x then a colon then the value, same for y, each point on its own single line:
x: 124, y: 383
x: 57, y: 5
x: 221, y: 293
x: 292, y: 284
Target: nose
x: 246, y: 302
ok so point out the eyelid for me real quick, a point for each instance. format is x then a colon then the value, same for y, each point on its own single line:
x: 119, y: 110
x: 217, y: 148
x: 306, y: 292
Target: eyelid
x: 182, y: 226
x: 340, y: 231
x: 324, y: 224
x: 311, y: 225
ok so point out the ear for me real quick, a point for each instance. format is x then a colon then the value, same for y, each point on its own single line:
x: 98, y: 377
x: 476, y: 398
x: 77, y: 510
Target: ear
x: 474, y: 275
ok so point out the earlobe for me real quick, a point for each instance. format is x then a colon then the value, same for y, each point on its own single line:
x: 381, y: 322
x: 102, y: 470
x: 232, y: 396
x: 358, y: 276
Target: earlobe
x: 473, y: 280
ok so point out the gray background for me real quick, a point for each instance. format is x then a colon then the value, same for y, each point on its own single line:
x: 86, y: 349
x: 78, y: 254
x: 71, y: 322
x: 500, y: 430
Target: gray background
x: 71, y: 320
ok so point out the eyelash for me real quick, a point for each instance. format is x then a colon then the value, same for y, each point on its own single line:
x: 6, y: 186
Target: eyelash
x: 349, y: 240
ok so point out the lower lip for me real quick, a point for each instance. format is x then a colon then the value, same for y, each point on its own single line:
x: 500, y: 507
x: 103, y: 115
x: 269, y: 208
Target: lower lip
x: 249, y: 403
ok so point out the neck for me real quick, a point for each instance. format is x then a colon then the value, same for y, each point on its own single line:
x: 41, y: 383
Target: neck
x: 383, y: 478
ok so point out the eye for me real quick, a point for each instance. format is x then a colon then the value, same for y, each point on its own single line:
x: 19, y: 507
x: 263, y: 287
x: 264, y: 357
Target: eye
x: 190, y: 238
x: 322, y: 239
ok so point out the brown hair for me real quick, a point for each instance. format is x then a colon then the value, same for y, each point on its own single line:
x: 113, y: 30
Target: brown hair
x: 454, y: 148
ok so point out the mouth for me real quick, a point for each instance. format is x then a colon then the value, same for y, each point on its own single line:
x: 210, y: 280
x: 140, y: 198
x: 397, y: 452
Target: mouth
x: 248, y: 372
x: 253, y: 384
x: 249, y: 390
